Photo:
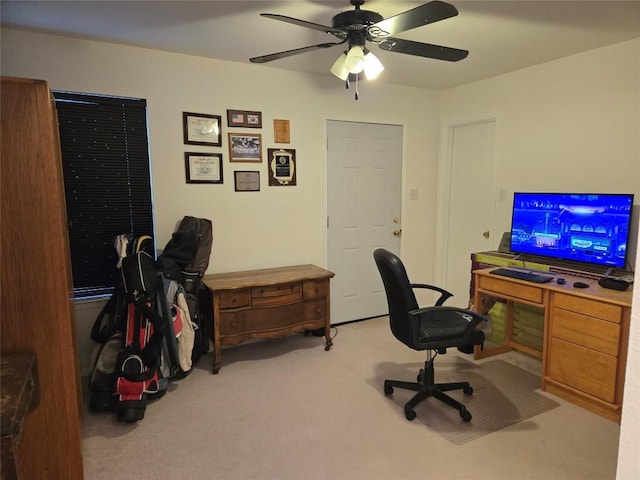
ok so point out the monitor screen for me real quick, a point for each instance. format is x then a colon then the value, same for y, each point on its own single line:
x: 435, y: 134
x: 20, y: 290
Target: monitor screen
x: 585, y: 227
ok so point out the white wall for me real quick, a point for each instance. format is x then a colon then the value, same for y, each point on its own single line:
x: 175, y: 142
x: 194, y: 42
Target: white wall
x: 251, y: 230
x: 566, y: 125
x: 628, y: 451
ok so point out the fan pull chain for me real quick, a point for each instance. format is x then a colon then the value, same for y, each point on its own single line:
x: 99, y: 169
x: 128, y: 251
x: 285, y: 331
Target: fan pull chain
x: 356, y: 96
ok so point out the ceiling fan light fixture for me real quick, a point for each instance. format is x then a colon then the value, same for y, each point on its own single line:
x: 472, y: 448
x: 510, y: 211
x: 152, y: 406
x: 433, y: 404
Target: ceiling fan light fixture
x: 372, y: 66
x: 355, y: 59
x: 339, y: 68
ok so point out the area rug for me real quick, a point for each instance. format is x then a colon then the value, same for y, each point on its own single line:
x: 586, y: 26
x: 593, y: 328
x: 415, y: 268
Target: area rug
x: 503, y: 395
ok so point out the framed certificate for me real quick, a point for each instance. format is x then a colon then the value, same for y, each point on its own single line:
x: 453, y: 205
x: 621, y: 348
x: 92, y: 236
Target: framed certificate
x: 246, y: 181
x: 203, y: 167
x: 281, y: 131
x: 202, y: 129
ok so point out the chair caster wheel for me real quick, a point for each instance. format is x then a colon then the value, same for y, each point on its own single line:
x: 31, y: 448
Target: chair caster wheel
x: 409, y: 413
x: 468, y: 391
x: 388, y: 389
x: 465, y: 415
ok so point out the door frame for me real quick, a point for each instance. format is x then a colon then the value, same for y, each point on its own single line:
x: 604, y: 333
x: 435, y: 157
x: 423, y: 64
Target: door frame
x: 443, y: 204
x: 341, y: 117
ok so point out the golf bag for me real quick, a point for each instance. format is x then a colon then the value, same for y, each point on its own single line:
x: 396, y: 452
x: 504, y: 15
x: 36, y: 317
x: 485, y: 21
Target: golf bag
x: 185, y: 259
x: 138, y: 364
x: 109, y: 328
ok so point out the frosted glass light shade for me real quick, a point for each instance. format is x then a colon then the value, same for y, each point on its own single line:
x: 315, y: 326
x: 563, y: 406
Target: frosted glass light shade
x: 355, y: 59
x: 372, y: 66
x: 339, y: 68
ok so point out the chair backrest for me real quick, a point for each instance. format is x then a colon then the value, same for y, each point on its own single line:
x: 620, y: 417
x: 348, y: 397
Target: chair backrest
x: 400, y: 296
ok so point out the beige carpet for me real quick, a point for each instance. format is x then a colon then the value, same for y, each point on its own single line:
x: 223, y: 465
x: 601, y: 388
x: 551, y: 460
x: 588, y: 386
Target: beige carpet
x: 286, y: 409
x: 503, y: 395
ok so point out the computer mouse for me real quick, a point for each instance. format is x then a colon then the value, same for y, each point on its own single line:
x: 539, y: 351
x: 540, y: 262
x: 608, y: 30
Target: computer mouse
x: 581, y: 285
x: 560, y: 281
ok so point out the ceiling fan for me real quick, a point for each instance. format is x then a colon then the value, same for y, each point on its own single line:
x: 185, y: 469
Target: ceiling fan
x: 357, y: 27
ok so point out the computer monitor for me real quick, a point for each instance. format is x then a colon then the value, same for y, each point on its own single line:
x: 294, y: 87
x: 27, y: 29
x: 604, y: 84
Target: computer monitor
x: 590, y: 228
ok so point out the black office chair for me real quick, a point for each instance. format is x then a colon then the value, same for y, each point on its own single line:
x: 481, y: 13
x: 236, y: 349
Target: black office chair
x: 432, y: 328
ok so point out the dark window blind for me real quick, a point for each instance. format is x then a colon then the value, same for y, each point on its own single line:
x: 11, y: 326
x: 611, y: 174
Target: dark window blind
x: 107, y: 182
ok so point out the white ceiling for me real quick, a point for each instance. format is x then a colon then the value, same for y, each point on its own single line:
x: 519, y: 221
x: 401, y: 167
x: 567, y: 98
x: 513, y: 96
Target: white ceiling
x: 501, y: 36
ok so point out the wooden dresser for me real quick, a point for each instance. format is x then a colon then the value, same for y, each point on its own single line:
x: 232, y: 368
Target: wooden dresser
x: 268, y: 303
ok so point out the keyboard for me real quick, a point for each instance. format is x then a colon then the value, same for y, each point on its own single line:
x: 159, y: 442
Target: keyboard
x: 522, y: 275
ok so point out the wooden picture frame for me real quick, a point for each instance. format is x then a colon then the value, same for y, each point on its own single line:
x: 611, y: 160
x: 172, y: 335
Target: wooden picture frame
x: 202, y: 129
x: 281, y: 164
x: 246, y: 181
x: 245, y: 147
x: 203, y: 167
x: 244, y: 118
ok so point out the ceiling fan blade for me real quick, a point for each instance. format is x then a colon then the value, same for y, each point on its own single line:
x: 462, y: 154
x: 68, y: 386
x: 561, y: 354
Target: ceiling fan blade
x: 428, y: 13
x: 296, y: 51
x: 304, y: 23
x: 423, y: 49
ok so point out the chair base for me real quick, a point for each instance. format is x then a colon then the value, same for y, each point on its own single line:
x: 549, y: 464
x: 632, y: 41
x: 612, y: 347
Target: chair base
x: 425, y: 388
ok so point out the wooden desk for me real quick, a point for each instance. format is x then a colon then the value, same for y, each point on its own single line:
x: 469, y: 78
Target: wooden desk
x: 586, y: 332
x: 268, y: 303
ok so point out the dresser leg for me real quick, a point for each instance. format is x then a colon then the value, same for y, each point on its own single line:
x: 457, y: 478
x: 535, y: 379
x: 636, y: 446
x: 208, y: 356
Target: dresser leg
x: 216, y: 361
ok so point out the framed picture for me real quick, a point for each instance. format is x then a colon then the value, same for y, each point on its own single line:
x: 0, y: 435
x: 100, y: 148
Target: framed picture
x: 246, y: 181
x: 281, y: 166
x: 244, y: 118
x: 281, y: 131
x: 245, y: 147
x: 203, y: 167
x: 202, y: 129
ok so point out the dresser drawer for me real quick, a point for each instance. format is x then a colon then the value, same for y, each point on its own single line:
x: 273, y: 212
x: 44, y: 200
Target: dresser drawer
x: 275, y: 295
x: 593, y: 308
x: 587, y: 331
x: 255, y: 320
x: 315, y: 289
x: 508, y: 288
x: 233, y: 298
x: 583, y: 369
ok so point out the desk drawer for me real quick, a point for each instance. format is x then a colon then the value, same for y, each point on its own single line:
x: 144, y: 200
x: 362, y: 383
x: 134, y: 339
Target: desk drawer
x: 583, y: 369
x: 587, y: 331
x: 593, y: 308
x: 233, y: 298
x: 275, y: 295
x: 511, y: 289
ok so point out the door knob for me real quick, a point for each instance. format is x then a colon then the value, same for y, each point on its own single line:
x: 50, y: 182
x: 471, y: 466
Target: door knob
x: 485, y: 234
x: 397, y: 232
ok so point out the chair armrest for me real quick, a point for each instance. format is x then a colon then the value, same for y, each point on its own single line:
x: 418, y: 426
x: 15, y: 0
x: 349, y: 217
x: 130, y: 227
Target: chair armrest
x: 444, y: 294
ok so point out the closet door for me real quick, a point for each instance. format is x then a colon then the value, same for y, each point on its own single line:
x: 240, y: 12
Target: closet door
x: 36, y: 310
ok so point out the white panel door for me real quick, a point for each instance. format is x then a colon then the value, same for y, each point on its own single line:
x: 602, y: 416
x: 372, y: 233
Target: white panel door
x: 471, y: 203
x: 364, y: 205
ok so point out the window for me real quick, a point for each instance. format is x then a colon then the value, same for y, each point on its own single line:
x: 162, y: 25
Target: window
x: 105, y: 160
